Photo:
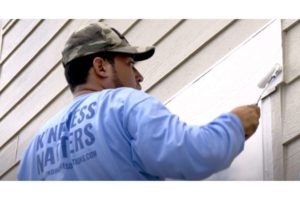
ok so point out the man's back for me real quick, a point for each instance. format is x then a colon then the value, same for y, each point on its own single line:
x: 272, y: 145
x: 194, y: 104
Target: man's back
x: 85, y: 141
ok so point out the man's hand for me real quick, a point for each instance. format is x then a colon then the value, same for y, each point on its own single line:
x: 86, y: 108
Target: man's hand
x: 249, y: 116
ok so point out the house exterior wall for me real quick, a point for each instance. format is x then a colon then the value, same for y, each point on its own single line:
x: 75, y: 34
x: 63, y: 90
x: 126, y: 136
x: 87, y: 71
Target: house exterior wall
x: 288, y: 101
x: 33, y: 88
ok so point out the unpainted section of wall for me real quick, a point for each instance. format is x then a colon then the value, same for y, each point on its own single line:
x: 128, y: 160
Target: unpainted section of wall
x: 10, y: 175
x: 122, y: 25
x: 16, y: 35
x: 40, y: 68
x: 8, y: 155
x: 7, y: 24
x: 4, y: 22
x: 291, y: 130
x: 290, y: 105
x: 292, y: 62
x: 291, y: 110
x: 30, y: 48
x: 43, y: 88
x: 287, y: 24
x: 0, y: 42
x: 149, y: 32
x: 32, y: 104
x: 292, y: 160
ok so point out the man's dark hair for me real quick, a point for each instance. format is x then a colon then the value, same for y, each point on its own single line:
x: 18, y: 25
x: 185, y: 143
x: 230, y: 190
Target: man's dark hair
x: 76, y: 71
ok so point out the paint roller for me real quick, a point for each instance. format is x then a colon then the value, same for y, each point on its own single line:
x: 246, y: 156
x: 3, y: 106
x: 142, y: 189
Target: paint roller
x: 268, y: 78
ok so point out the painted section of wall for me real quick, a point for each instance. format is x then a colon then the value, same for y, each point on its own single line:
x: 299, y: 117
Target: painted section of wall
x: 230, y: 82
x: 33, y: 88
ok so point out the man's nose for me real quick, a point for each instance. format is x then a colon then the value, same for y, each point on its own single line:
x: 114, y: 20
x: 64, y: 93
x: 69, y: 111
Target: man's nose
x: 138, y: 76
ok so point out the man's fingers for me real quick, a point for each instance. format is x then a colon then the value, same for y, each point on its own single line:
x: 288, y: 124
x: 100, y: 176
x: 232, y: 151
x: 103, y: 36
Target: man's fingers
x: 249, y: 116
x: 256, y: 109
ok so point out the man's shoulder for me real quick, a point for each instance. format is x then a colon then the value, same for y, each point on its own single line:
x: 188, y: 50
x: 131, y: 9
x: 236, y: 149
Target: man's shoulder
x: 128, y: 97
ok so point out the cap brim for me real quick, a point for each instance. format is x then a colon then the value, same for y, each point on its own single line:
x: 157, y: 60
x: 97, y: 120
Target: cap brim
x: 138, y: 53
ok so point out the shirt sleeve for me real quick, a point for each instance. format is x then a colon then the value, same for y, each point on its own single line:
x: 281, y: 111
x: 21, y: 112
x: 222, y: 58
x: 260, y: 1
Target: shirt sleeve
x: 163, y: 145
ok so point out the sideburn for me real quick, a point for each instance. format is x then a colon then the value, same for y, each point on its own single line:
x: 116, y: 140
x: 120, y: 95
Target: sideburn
x: 116, y: 80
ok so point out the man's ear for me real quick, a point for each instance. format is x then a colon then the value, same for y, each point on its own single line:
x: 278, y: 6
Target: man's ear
x: 100, y: 67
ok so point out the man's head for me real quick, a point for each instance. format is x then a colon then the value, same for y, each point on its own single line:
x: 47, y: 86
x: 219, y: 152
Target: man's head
x: 100, y: 56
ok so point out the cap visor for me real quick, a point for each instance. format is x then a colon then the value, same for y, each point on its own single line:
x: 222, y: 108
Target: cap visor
x: 138, y: 53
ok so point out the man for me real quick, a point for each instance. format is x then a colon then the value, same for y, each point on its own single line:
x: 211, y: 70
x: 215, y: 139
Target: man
x: 113, y: 131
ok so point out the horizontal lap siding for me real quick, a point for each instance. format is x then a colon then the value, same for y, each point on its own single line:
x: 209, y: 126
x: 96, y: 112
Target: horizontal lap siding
x: 8, y: 155
x: 292, y: 160
x: 4, y: 22
x: 18, y: 33
x: 11, y: 174
x: 39, y: 67
x: 292, y: 47
x: 39, y: 90
x: 32, y: 104
x: 290, y: 100
x: 28, y: 50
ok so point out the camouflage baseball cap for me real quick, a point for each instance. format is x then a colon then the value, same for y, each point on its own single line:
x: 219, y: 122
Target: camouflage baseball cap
x: 99, y: 37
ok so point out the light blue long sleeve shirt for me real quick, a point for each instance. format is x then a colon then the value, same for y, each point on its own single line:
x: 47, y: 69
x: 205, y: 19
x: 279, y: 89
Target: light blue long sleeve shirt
x: 126, y: 134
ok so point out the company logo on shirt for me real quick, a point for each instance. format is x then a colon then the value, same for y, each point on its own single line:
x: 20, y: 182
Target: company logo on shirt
x: 67, y: 140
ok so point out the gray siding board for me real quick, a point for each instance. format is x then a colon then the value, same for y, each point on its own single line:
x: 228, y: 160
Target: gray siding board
x: 11, y: 174
x: 10, y: 23
x: 5, y: 22
x: 292, y: 160
x: 28, y: 50
x: 289, y: 23
x: 293, y: 149
x: 148, y: 32
x: 291, y: 110
x: 122, y: 25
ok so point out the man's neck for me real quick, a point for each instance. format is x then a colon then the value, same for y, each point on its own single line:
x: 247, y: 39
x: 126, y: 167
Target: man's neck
x: 80, y: 90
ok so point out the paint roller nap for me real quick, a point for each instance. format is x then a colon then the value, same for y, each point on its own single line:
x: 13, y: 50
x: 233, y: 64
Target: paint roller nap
x: 267, y: 79
x: 274, y: 72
